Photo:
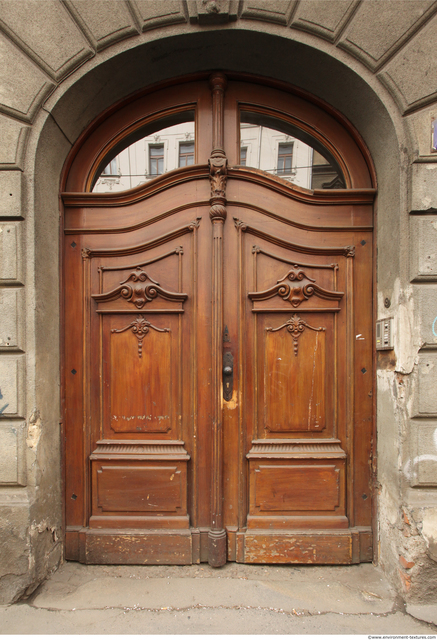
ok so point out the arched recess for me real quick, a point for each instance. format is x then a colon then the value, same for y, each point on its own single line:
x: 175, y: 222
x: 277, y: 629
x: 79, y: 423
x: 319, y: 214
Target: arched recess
x: 323, y: 71
x: 228, y: 418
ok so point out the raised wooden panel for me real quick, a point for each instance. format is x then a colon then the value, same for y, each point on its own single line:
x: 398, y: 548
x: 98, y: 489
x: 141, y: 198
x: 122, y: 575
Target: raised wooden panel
x: 141, y: 376
x: 302, y: 548
x: 294, y: 377
x: 124, y: 488
x: 163, y: 547
x: 297, y: 488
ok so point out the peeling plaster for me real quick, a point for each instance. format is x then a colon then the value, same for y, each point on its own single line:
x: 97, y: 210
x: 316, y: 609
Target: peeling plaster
x: 429, y: 532
x: 34, y: 430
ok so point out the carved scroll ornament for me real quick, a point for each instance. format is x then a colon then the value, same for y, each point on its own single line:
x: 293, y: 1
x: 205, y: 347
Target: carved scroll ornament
x: 139, y: 288
x: 140, y: 328
x: 296, y: 294
x: 296, y: 326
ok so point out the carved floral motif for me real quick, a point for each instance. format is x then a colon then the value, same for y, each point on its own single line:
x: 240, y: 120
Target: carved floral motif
x: 217, y: 174
x: 139, y: 288
x: 296, y: 326
x: 296, y: 294
x: 140, y: 328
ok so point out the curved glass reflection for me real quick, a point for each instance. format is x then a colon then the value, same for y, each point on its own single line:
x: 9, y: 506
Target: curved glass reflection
x: 279, y: 148
x: 147, y: 158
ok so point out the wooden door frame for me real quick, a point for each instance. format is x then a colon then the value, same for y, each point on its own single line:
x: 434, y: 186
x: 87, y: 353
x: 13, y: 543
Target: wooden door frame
x: 88, y: 154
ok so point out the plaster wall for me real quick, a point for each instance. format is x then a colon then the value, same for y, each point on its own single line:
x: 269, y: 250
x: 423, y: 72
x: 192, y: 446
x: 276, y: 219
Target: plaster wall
x: 374, y: 71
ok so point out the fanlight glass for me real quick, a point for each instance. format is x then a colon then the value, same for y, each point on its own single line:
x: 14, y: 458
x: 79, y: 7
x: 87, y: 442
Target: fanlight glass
x: 281, y: 149
x: 152, y: 155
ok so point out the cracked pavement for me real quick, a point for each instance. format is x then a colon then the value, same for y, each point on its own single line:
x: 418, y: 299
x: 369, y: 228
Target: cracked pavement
x: 235, y: 599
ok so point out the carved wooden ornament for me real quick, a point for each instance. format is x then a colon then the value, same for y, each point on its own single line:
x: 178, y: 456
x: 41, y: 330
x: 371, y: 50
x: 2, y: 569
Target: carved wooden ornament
x: 140, y: 328
x: 139, y: 288
x: 296, y: 326
x: 296, y: 294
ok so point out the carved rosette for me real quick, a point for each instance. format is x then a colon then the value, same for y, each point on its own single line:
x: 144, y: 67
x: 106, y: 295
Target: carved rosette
x: 296, y: 294
x: 140, y: 327
x: 296, y: 326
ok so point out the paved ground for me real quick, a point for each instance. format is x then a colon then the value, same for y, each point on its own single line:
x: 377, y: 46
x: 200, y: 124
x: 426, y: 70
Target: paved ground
x: 236, y: 599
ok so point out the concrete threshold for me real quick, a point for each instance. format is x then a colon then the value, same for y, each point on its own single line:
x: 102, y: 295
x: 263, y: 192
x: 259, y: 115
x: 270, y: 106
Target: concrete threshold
x: 235, y: 599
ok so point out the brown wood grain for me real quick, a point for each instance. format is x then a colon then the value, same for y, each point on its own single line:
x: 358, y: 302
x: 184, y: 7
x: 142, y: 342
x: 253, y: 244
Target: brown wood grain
x: 159, y: 467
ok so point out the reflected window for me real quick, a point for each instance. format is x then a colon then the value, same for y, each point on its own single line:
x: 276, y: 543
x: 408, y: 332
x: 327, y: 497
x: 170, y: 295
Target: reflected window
x: 285, y: 158
x: 111, y: 168
x: 156, y: 159
x: 186, y: 154
x: 149, y: 156
x: 280, y: 148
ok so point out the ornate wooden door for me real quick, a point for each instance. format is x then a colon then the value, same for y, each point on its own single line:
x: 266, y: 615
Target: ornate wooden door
x: 218, y: 345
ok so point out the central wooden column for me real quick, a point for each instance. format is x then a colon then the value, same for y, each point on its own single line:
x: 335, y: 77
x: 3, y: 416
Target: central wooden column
x: 217, y: 212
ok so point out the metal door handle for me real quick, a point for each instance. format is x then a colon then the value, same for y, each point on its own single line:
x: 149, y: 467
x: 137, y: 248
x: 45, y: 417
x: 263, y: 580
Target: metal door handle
x: 228, y: 375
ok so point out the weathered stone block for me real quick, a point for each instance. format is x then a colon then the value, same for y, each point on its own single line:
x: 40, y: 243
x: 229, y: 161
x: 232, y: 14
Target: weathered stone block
x: 11, y: 386
x: 11, y: 334
x: 12, y: 462
x: 425, y: 297
x: 10, y: 253
x: 10, y: 194
x: 423, y: 259
x: 408, y: 75
x: 422, y: 466
x: 278, y: 11
x: 12, y: 142
x: 379, y: 27
x: 424, y: 187
x: 107, y: 21
x: 425, y: 395
x: 21, y: 98
x: 322, y: 17
x: 47, y: 33
x: 420, y: 123
x: 14, y: 545
x: 155, y: 13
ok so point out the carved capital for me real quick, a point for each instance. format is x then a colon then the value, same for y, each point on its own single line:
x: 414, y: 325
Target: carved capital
x: 86, y: 253
x: 239, y: 224
x: 195, y: 223
x: 350, y: 251
x: 218, y: 81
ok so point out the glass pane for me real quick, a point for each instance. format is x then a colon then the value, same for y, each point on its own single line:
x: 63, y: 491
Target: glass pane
x: 282, y: 149
x: 186, y: 154
x: 149, y: 156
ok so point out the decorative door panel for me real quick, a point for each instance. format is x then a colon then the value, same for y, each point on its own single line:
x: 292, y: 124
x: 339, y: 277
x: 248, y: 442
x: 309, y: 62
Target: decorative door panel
x: 218, y: 334
x: 296, y: 328
x: 291, y: 374
x: 139, y: 319
x: 140, y: 375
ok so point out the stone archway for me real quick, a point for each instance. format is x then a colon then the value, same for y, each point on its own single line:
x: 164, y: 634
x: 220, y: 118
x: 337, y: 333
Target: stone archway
x: 388, y: 120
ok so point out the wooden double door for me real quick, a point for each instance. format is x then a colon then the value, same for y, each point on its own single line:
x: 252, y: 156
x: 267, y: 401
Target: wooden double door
x: 218, y: 347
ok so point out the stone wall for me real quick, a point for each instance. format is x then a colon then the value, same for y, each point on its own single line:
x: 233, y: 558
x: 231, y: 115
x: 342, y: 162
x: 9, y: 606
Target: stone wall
x: 62, y: 64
